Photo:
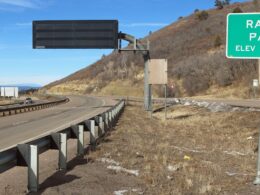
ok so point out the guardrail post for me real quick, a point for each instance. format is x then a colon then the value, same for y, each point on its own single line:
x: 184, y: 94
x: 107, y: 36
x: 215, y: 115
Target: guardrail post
x: 63, y: 151
x: 106, y: 121
x: 81, y: 140
x: 101, y: 125
x: 117, y: 111
x: 113, y: 116
x: 79, y: 133
x: 60, y: 140
x: 28, y: 155
x: 110, y: 119
x: 91, y: 127
x: 97, y: 120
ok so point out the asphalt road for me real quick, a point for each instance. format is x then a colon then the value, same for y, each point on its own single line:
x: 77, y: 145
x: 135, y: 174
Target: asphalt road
x: 25, y: 127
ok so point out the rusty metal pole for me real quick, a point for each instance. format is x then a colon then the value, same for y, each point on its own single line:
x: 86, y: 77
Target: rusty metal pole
x: 147, y: 88
x: 257, y: 180
x: 258, y: 78
x: 165, y: 102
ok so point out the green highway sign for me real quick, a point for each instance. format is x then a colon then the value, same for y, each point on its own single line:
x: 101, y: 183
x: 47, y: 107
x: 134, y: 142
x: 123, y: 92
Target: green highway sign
x: 243, y: 35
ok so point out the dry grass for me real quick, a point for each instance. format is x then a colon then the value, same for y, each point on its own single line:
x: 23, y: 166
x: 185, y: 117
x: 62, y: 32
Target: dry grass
x: 193, y: 152
x: 122, y: 88
x: 237, y: 91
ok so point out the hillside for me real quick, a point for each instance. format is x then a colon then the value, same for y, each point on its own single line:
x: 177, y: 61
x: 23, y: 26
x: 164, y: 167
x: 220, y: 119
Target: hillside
x: 195, y: 49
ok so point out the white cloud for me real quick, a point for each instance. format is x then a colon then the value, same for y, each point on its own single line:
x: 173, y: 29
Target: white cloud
x: 21, y: 3
x: 148, y: 24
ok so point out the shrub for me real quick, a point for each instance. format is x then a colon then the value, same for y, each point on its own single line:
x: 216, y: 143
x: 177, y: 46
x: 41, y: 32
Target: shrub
x: 220, y: 4
x: 218, y: 41
x: 202, y: 15
x: 196, y: 10
x: 256, y: 4
x: 237, y: 10
x: 208, y: 30
x: 194, y: 85
x: 224, y: 77
x: 226, y: 2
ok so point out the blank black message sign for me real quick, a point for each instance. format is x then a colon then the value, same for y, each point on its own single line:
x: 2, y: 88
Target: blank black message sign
x: 75, y: 34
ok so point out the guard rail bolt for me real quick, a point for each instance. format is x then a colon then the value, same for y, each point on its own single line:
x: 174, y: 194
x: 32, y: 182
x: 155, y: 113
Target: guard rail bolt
x: 101, y: 125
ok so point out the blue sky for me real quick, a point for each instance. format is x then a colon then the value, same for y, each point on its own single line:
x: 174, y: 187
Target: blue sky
x: 19, y: 63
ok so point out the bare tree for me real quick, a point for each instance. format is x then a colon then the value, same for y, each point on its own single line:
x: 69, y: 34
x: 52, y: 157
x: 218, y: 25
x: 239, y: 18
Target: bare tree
x: 124, y: 66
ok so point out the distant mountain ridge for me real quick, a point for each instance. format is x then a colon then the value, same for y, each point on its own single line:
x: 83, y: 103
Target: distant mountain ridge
x: 24, y: 87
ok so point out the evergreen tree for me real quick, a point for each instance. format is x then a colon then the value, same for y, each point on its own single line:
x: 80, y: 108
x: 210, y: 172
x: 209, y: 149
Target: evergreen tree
x: 227, y: 2
x: 219, y: 4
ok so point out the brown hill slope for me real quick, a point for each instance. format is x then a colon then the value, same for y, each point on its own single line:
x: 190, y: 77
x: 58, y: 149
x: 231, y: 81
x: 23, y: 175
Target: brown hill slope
x: 195, y: 49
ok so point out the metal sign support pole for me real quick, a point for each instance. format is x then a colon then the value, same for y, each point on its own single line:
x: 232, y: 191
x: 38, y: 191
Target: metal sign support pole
x: 146, y: 55
x: 258, y: 73
x: 257, y: 180
x: 147, y: 89
x: 165, y: 102
x: 258, y: 78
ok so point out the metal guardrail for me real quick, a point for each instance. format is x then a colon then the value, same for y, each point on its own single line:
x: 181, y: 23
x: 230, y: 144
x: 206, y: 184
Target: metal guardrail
x: 27, y: 154
x: 31, y: 107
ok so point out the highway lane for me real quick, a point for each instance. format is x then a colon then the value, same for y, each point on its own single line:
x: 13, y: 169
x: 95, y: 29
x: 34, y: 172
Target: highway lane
x: 27, y: 126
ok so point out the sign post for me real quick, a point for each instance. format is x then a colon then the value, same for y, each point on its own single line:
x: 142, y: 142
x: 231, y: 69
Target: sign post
x: 255, y: 87
x: 258, y: 70
x: 165, y: 102
x: 243, y: 42
x: 157, y: 75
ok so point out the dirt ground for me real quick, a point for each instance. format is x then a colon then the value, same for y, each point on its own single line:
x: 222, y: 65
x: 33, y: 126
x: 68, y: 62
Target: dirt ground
x: 193, y: 152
